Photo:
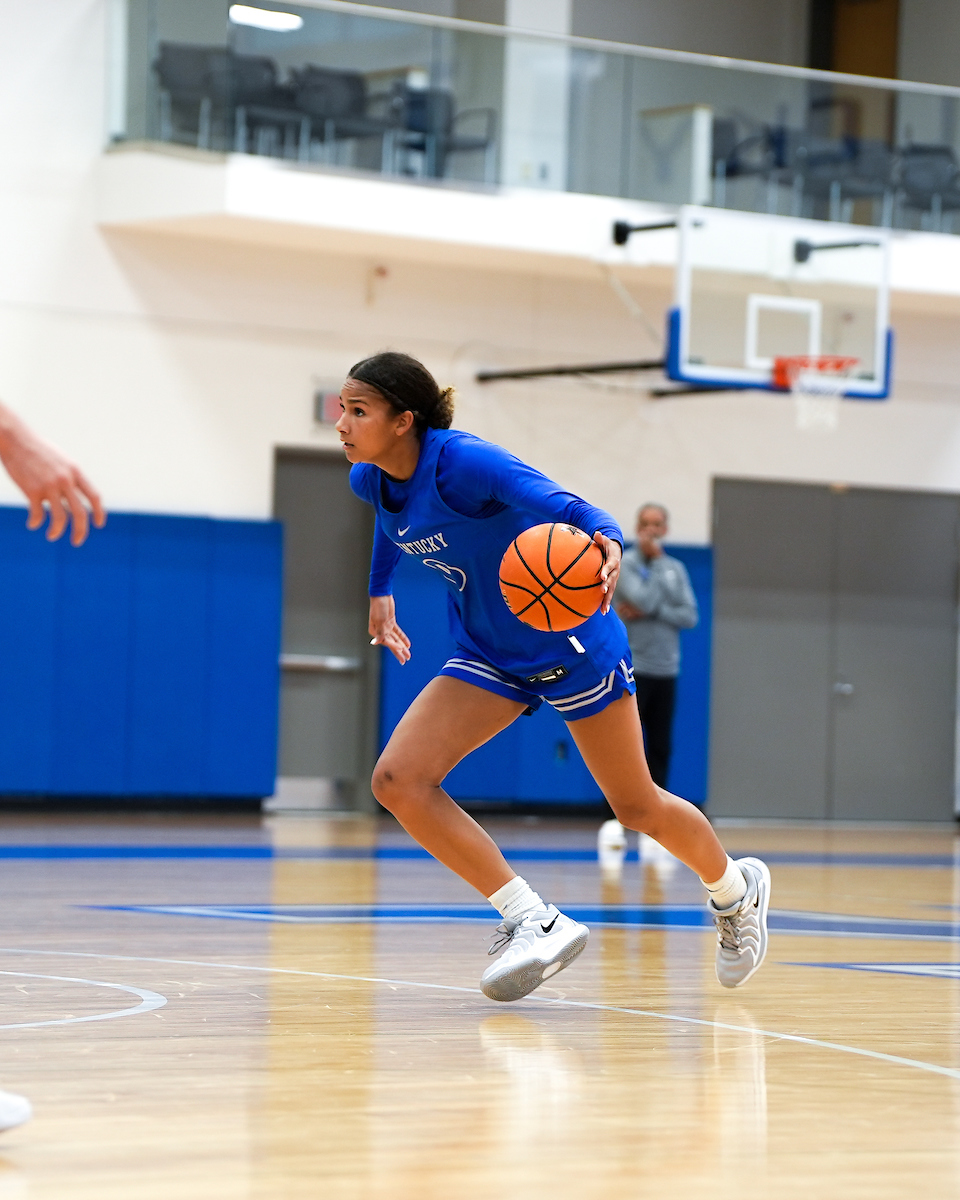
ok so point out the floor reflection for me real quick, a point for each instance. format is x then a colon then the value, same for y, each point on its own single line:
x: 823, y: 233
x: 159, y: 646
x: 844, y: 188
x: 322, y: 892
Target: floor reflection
x: 737, y: 1086
x: 542, y: 1076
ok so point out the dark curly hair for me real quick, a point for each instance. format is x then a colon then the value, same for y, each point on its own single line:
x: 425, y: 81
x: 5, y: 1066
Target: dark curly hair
x: 407, y: 386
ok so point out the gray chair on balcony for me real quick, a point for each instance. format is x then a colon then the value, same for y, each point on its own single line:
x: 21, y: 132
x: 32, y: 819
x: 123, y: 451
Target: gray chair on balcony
x: 214, y: 99
x: 928, y: 181
x: 871, y: 175
x: 740, y: 150
x: 267, y: 119
x: 195, y: 94
x: 339, y: 106
x: 426, y: 124
x: 828, y: 174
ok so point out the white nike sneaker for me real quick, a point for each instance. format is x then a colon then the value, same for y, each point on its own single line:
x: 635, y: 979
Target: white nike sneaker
x: 14, y: 1110
x: 535, y: 948
x: 742, y: 928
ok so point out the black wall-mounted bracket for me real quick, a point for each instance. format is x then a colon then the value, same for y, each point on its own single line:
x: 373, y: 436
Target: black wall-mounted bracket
x: 802, y: 249
x: 608, y: 368
x: 623, y: 229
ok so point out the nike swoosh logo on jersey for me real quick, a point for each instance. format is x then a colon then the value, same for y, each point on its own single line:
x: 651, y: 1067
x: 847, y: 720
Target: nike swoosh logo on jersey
x: 401, y: 532
x: 547, y: 928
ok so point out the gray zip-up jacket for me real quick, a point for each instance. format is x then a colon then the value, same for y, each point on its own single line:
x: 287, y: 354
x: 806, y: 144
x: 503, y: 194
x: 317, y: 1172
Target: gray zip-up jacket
x: 661, y: 588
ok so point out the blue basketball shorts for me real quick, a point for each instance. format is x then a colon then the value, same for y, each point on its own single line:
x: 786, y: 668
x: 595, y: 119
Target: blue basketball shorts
x: 581, y: 693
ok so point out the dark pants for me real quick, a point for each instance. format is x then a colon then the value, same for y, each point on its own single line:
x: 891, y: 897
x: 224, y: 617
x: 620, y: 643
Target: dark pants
x: 656, y: 697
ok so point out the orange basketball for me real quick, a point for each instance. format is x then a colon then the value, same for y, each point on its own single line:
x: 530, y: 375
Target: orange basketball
x: 550, y: 577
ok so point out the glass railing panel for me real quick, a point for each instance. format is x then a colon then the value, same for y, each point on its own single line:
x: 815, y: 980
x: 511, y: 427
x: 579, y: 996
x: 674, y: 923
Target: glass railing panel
x: 337, y: 89
x: 430, y: 98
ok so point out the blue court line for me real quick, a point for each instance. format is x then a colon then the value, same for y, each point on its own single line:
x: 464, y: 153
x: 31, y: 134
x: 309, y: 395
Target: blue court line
x: 650, y: 916
x: 925, y: 970
x: 365, y: 853
x: 676, y: 916
x: 801, y: 858
x: 65, y: 852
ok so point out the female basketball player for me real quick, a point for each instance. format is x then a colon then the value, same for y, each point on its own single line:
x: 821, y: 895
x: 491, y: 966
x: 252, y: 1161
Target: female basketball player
x: 456, y: 502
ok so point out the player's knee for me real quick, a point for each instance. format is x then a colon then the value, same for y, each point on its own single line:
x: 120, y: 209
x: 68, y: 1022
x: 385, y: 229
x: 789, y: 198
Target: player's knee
x: 632, y: 816
x: 639, y: 811
x: 392, y: 784
x: 384, y: 784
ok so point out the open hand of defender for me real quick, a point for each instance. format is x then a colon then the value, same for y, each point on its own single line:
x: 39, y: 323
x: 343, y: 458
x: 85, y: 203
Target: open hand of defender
x: 48, y: 480
x: 384, y: 630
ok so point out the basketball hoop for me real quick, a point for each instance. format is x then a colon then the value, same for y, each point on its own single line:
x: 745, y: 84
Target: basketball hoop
x: 818, y: 382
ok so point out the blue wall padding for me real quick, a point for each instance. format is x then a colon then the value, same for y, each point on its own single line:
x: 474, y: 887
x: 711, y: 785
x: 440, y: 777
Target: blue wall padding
x: 143, y: 663
x: 535, y: 759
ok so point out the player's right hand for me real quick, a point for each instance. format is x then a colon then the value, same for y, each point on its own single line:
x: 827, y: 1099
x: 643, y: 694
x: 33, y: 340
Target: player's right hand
x: 384, y: 630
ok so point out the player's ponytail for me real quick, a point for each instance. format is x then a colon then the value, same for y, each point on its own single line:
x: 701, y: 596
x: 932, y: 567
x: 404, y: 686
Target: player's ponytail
x: 407, y: 386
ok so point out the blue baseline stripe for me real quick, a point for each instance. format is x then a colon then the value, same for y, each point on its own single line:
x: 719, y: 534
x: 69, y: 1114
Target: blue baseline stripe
x: 805, y: 859
x: 363, y: 853
x: 64, y: 852
x: 623, y: 916
x: 918, y: 970
x: 680, y: 916
x: 517, y: 853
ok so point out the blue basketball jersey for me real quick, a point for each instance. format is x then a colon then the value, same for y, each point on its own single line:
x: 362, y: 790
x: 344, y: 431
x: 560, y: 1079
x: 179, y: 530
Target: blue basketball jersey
x: 465, y: 553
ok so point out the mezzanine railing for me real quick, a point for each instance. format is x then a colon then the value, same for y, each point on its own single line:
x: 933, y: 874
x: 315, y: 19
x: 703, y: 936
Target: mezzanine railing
x: 347, y: 85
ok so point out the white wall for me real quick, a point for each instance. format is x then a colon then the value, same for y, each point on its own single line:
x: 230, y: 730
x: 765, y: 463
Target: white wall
x: 172, y: 366
x: 929, y: 44
x: 766, y: 30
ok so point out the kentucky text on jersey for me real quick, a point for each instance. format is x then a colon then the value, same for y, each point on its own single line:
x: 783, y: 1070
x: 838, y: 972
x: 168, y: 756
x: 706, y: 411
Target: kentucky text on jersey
x: 428, y: 545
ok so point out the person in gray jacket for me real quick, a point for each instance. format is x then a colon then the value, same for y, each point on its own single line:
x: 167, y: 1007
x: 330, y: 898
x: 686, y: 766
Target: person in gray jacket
x: 655, y: 600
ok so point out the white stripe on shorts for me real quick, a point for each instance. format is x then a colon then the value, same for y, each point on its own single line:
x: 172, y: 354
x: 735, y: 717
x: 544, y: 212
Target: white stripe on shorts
x: 596, y: 690
x: 484, y: 670
x: 582, y: 699
x: 480, y: 667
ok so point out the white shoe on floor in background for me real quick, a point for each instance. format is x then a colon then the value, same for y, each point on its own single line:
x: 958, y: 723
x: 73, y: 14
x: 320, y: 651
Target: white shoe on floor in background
x: 611, y: 846
x: 611, y: 836
x: 14, y: 1110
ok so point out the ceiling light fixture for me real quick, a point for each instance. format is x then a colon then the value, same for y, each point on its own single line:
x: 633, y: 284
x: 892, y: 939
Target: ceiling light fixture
x: 265, y: 18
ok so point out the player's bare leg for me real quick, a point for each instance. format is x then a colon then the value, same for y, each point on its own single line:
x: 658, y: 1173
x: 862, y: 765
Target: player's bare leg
x: 611, y: 743
x: 446, y: 721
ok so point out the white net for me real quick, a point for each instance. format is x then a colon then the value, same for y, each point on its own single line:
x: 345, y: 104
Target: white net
x: 818, y: 388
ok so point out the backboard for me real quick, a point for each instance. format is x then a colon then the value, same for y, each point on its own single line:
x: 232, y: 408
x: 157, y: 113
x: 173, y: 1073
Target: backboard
x: 751, y: 288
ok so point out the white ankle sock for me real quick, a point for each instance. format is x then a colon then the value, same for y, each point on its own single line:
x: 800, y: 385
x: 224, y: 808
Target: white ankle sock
x: 729, y: 888
x: 515, y: 899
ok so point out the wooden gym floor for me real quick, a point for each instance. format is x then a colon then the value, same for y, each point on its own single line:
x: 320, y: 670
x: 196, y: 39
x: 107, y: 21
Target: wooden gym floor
x: 256, y: 1010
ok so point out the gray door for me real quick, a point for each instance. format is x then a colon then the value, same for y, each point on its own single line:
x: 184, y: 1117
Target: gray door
x: 769, y: 727
x: 894, y: 701
x: 835, y: 652
x: 328, y: 699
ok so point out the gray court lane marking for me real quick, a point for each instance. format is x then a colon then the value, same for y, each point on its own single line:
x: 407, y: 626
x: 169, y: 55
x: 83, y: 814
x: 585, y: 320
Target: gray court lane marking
x: 878, y: 1055
x: 148, y: 1000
